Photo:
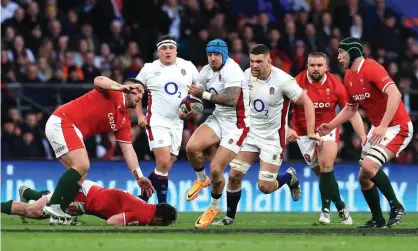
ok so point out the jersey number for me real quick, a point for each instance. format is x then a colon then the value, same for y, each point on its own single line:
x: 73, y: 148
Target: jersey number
x: 172, y: 88
x: 259, y: 106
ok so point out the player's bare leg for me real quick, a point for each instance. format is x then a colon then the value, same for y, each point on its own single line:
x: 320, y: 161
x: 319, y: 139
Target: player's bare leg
x: 32, y: 211
x: 159, y: 177
x: 220, y: 161
x: 67, y: 186
x: 201, y: 139
x: 239, y: 167
x: 371, y: 173
x: 328, y: 186
x: 269, y: 180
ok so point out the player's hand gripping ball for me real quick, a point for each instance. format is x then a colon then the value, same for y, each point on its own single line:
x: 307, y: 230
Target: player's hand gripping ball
x: 191, y: 104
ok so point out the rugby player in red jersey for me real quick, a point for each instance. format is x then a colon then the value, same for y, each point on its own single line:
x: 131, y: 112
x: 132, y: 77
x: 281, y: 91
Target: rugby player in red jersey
x: 368, y: 84
x: 116, y: 206
x: 326, y: 92
x: 104, y: 109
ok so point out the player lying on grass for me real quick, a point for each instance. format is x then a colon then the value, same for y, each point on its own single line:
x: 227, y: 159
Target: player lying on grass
x: 326, y: 92
x: 116, y: 206
x: 102, y: 110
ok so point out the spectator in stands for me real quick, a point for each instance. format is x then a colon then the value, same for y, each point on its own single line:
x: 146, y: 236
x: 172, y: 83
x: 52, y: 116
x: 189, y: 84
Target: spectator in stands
x: 89, y: 69
x: 116, y: 41
x: 104, y: 59
x: 44, y: 70
x: 238, y: 55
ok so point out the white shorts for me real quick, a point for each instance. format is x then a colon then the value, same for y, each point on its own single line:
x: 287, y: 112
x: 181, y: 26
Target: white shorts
x: 396, y: 137
x: 270, y: 151
x: 308, y: 147
x: 159, y: 136
x: 231, y: 137
x: 63, y: 135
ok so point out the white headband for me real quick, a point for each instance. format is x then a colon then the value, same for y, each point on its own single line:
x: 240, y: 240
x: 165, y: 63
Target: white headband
x: 166, y: 42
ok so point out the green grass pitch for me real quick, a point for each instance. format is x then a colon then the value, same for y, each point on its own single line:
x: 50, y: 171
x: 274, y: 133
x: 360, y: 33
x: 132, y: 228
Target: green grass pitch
x: 252, y: 231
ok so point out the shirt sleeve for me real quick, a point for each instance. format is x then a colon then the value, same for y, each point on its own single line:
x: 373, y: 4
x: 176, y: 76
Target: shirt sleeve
x: 124, y: 134
x: 378, y: 76
x: 142, y: 75
x: 195, y: 74
x: 341, y: 94
x: 292, y: 90
x: 233, y: 78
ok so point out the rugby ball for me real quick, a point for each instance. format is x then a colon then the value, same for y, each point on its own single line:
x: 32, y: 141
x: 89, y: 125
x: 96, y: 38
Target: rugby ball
x: 191, y: 104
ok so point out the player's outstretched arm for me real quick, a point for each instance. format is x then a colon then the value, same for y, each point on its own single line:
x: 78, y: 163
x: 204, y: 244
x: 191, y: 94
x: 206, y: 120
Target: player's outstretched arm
x: 346, y: 114
x: 133, y: 165
x: 308, y: 106
x: 142, y: 119
x: 116, y: 220
x: 229, y: 98
x: 357, y: 123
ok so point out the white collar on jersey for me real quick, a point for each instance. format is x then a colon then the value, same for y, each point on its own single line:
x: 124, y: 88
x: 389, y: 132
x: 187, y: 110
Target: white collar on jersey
x: 360, y: 65
x: 124, y: 99
x: 310, y: 80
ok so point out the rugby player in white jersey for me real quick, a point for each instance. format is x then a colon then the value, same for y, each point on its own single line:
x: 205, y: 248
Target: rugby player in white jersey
x: 271, y: 91
x: 165, y: 79
x: 221, y: 81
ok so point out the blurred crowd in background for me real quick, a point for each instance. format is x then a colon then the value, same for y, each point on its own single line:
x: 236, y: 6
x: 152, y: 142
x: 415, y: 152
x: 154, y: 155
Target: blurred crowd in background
x: 53, y: 44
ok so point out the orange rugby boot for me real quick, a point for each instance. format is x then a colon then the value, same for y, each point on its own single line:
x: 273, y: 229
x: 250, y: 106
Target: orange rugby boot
x: 207, y: 218
x: 196, y: 188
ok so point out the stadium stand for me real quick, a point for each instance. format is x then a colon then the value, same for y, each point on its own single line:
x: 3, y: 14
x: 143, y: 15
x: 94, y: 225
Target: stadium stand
x: 51, y: 50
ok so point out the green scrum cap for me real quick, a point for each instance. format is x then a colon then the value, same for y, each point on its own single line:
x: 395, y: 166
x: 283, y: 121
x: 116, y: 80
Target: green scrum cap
x: 353, y: 47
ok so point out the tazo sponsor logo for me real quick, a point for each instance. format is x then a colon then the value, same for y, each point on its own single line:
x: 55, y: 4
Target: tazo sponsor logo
x: 112, y: 122
x: 361, y: 96
x: 321, y: 105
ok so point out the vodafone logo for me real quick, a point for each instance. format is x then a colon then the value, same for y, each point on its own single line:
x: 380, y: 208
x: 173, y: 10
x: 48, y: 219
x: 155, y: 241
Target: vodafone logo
x: 361, y: 96
x: 321, y: 105
x: 112, y: 122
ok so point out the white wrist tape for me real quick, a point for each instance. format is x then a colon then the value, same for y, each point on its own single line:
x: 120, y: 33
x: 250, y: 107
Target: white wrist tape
x: 206, y: 95
x: 137, y: 173
x: 115, y: 86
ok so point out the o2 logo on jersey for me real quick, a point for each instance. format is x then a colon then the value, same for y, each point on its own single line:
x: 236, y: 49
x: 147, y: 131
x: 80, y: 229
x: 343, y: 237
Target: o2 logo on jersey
x: 112, y: 122
x: 361, y: 96
x: 172, y: 89
x: 259, y: 106
x: 321, y: 105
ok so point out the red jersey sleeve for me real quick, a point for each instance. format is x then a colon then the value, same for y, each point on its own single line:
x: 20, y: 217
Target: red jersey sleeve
x: 124, y: 134
x: 349, y: 98
x: 377, y: 75
x: 341, y: 93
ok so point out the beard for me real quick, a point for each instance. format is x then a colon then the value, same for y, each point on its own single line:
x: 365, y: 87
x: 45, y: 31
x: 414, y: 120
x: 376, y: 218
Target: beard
x: 316, y: 77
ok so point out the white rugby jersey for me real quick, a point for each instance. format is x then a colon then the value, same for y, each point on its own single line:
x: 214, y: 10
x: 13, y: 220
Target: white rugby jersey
x: 270, y: 101
x: 166, y: 89
x: 230, y: 75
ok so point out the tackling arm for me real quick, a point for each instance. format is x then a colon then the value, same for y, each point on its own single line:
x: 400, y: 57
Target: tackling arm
x: 357, y: 123
x: 394, y: 98
x: 131, y: 159
x: 346, y: 114
x: 309, y: 112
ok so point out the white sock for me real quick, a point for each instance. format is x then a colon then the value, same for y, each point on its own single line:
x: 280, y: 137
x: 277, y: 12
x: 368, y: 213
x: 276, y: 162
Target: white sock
x: 201, y: 175
x: 160, y: 173
x: 214, y: 204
